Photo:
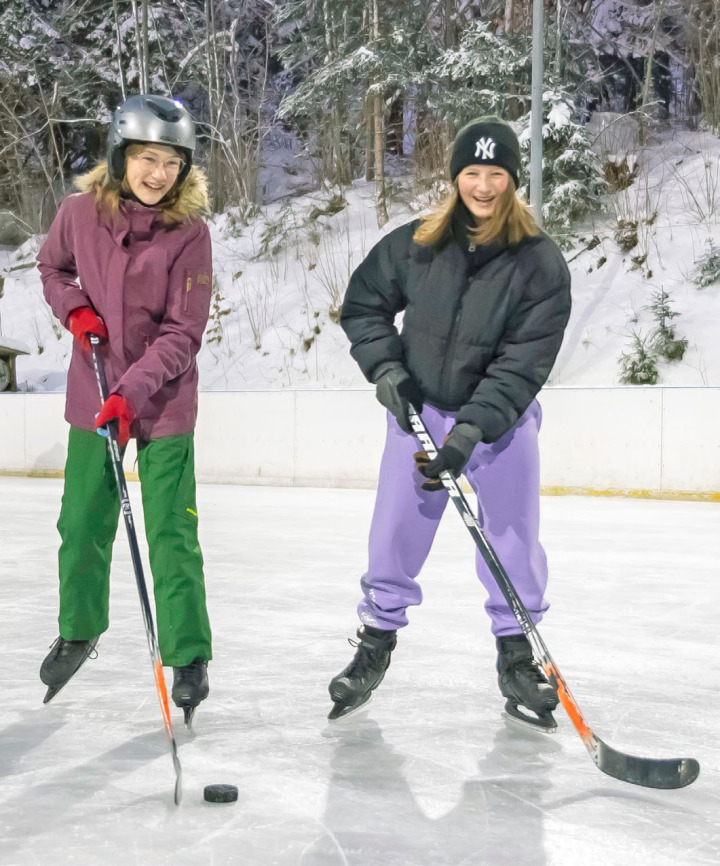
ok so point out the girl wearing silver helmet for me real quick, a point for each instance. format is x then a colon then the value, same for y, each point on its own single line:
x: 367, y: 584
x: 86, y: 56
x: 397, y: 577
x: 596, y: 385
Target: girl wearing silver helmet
x: 128, y: 259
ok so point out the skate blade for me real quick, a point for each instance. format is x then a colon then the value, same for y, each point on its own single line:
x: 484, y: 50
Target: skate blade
x: 341, y: 711
x: 188, y: 716
x: 544, y: 724
x: 51, y: 692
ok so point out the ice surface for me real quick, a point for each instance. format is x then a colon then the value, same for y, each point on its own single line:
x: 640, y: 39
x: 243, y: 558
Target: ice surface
x: 430, y: 775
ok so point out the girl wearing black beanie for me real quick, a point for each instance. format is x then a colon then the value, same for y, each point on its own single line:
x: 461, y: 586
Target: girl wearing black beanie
x: 486, y: 299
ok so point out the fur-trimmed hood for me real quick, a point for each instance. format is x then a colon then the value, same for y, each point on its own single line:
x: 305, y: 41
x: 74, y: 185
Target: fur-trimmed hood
x: 189, y: 201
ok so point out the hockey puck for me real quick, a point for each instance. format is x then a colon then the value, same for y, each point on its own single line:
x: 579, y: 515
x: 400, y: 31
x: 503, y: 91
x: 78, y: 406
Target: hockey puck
x: 220, y: 793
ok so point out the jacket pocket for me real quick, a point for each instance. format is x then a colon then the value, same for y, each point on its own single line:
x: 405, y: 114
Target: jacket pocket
x: 197, y: 288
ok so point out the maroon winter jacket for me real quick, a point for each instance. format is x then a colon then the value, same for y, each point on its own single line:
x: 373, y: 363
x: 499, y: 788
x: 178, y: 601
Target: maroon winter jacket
x: 151, y: 285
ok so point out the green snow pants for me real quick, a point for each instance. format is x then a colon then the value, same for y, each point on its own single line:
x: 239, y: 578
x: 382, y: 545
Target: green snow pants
x: 88, y: 523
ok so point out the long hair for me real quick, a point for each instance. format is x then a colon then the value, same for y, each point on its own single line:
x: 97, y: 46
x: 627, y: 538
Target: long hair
x: 511, y: 219
x: 186, y: 200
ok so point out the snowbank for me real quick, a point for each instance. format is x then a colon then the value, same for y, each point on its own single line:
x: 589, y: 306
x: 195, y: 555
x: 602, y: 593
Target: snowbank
x: 280, y: 282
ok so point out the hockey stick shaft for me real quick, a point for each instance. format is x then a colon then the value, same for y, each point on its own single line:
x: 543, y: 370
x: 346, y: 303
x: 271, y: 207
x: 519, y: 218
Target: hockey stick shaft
x: 122, y: 489
x: 648, y: 772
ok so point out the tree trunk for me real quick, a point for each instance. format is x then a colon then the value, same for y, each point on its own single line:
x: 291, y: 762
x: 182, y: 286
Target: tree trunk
x: 450, y: 28
x: 509, y: 17
x: 369, y: 123
x: 139, y: 45
x: 381, y: 191
x: 648, y: 74
x: 146, y: 48
x: 379, y: 138
x: 558, y: 38
x: 121, y: 74
x: 396, y: 127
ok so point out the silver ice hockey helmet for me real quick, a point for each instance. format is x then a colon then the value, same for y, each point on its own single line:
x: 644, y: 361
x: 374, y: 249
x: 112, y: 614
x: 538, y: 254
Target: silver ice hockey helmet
x: 150, y: 119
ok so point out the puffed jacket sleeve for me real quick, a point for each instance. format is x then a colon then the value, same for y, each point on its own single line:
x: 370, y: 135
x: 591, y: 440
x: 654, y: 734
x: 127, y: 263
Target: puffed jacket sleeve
x: 528, y: 347
x: 181, y: 330
x: 374, y: 297
x: 56, y: 263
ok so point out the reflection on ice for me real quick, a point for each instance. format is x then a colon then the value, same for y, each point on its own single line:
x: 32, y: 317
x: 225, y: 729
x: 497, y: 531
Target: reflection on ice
x: 374, y: 811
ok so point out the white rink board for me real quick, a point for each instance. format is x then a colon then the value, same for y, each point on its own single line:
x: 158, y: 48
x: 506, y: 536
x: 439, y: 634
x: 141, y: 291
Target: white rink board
x: 650, y: 439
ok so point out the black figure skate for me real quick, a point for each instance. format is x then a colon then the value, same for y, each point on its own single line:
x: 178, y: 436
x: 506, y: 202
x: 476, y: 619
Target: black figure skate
x: 354, y: 685
x: 523, y: 683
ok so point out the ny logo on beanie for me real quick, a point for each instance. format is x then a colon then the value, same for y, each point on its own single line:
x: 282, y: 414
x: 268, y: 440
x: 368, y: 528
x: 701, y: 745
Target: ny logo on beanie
x: 487, y: 140
x: 485, y: 148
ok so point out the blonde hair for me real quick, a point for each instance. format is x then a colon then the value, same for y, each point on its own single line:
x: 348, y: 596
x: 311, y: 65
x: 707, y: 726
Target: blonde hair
x: 109, y: 192
x: 511, y: 219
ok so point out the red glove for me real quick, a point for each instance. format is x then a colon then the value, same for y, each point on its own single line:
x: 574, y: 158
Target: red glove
x: 83, y: 321
x: 116, y: 407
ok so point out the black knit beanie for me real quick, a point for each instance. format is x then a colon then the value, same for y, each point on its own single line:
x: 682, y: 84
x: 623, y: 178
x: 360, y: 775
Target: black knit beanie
x: 486, y: 140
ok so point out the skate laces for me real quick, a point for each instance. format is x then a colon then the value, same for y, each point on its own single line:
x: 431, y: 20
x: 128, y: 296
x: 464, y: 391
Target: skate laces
x: 531, y: 669
x: 60, y: 645
x: 192, y: 673
x: 362, y: 661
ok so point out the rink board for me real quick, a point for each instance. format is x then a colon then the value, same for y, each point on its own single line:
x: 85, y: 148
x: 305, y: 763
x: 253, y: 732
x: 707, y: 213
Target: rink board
x: 642, y: 441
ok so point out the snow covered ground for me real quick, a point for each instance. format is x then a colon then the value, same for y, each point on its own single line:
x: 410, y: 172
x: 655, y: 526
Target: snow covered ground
x: 281, y: 278
x: 431, y: 775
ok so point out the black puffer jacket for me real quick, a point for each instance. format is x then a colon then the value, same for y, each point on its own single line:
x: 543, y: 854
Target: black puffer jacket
x: 481, y: 329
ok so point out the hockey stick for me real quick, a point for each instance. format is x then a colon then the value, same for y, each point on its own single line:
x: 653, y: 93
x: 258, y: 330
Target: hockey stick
x: 648, y: 772
x: 122, y: 490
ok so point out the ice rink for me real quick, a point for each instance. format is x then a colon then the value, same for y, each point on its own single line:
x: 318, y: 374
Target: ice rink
x: 431, y: 774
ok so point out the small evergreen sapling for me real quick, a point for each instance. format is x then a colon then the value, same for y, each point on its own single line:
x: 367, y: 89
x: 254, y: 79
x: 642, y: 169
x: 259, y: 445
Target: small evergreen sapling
x: 639, y: 367
x: 663, y: 339
x: 707, y: 270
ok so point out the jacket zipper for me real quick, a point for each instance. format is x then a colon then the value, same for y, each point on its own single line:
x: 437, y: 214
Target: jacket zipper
x: 450, y: 351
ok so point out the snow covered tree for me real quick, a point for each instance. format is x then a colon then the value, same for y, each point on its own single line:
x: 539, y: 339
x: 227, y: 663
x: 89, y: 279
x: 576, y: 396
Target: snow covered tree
x: 640, y: 47
x: 355, y: 60
x: 227, y: 70
x: 324, y: 57
x: 573, y: 178
x: 702, y: 83
x: 639, y: 365
x: 664, y: 340
x: 488, y: 72
x: 65, y: 65
x: 50, y: 117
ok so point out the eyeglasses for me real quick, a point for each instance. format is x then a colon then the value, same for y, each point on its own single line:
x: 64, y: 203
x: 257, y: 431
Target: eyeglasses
x: 172, y: 166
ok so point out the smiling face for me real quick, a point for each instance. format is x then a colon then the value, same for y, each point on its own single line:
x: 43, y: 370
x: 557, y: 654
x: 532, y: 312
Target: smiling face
x: 480, y: 187
x: 151, y: 171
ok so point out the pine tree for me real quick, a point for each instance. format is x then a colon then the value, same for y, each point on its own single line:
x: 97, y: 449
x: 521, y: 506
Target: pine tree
x: 639, y: 366
x: 573, y: 178
x: 356, y: 60
x: 664, y: 340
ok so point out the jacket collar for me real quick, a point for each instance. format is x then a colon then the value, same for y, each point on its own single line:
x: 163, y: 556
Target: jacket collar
x: 477, y: 255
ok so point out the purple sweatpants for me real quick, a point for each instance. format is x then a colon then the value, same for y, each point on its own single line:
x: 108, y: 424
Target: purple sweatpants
x: 506, y: 478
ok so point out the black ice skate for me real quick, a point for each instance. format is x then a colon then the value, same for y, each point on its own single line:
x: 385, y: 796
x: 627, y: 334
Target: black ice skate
x: 190, y: 686
x: 523, y: 683
x: 354, y: 685
x: 63, y: 661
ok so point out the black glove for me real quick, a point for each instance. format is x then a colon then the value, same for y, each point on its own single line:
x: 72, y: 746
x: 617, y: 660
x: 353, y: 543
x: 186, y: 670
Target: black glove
x: 453, y: 456
x: 396, y: 389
